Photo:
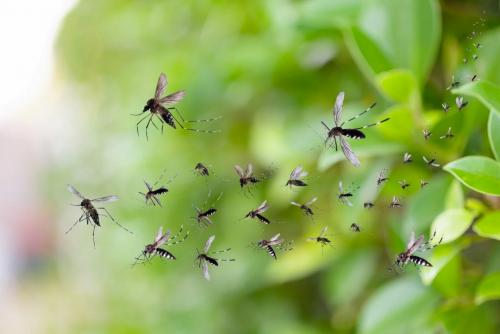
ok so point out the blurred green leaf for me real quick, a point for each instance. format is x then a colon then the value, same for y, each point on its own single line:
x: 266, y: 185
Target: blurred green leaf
x: 488, y: 226
x: 449, y: 279
x: 478, y: 173
x: 469, y: 320
x: 451, y: 224
x: 400, y: 306
x: 440, y: 257
x: 494, y: 133
x: 485, y: 91
x: 455, y: 196
x: 326, y: 13
x: 399, y: 85
x: 489, y: 288
x: 400, y: 129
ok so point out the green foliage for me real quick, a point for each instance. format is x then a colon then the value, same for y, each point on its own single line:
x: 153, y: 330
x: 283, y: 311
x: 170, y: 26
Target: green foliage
x: 489, y: 288
x: 479, y: 173
x: 488, y: 226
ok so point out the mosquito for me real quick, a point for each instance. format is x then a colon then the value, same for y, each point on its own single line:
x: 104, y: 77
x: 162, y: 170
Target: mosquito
x: 344, y: 196
x: 474, y: 78
x: 201, y: 169
x: 339, y: 132
x: 306, y: 207
x: 395, y: 202
x: 447, y: 135
x: 154, y: 249
x: 246, y: 177
x: 90, y: 213
x: 275, y: 241
x: 431, y: 162
x: 460, y: 102
x: 382, y: 177
x: 322, y: 238
x: 423, y: 183
x: 445, y: 106
x: 162, y: 108
x: 256, y: 213
x: 404, y: 184
x: 295, y: 177
x: 203, y: 215
x: 204, y: 259
x: 454, y: 84
x: 151, y: 196
x: 413, y: 246
x: 427, y: 134
x: 368, y: 205
x: 407, y: 158
x: 355, y: 227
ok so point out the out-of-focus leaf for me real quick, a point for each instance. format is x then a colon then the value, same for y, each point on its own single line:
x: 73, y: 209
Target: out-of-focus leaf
x: 494, y: 133
x: 489, y: 66
x: 489, y: 288
x: 455, y: 196
x: 478, y: 173
x: 399, y: 128
x: 399, y: 85
x: 451, y: 224
x: 440, y: 257
x: 449, y: 279
x: 401, y: 306
x: 325, y: 13
x: 489, y: 225
x: 396, y: 34
x: 485, y: 91
x: 469, y: 320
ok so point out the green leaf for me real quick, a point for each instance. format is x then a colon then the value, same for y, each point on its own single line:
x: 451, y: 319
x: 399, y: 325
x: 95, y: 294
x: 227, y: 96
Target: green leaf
x: 451, y: 224
x: 489, y: 288
x: 455, y: 196
x: 396, y: 34
x: 494, y: 133
x: 326, y: 13
x: 387, y: 312
x: 489, y: 226
x: 485, y: 91
x: 399, y: 85
x: 478, y: 173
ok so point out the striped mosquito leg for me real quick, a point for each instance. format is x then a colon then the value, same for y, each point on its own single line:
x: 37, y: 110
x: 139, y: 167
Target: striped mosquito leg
x: 359, y: 115
x: 221, y: 251
x: 195, y: 130
x: 226, y: 260
x: 180, y: 240
x: 195, y: 121
x: 373, y: 124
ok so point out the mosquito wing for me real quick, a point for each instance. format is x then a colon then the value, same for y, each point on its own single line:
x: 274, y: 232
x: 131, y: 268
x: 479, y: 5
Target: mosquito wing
x: 296, y: 204
x: 296, y: 173
x: 425, y: 159
x: 249, y: 171
x: 323, y: 231
x: 173, y: 98
x: 337, y: 110
x: 239, y: 171
x: 341, y: 189
x: 349, y: 154
x: 148, y: 186
x: 163, y: 238
x: 311, y: 201
x: 159, y: 234
x: 72, y: 190
x: 412, y: 240
x: 209, y: 243
x: 275, y: 237
x: 111, y: 198
x: 263, y: 207
x: 204, y: 267
x: 413, y: 247
x: 160, y: 86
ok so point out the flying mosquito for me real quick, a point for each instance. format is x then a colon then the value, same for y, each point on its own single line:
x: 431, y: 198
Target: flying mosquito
x: 339, y: 132
x: 246, y: 177
x: 454, y: 83
x: 204, y: 259
x: 474, y: 78
x: 296, y: 176
x: 201, y: 169
x: 395, y: 202
x: 382, y: 177
x: 306, y: 207
x: 423, y: 183
x: 151, y: 196
x: 154, y: 249
x: 90, y: 213
x: 355, y: 227
x: 322, y: 238
x: 407, y: 158
x: 368, y: 205
x: 413, y: 246
x: 427, y: 134
x: 460, y: 102
x: 162, y: 108
x: 404, y: 184
x: 256, y: 213
x: 344, y: 196
x: 431, y: 162
x: 203, y: 215
x: 447, y: 135
x: 275, y: 241
x: 445, y: 106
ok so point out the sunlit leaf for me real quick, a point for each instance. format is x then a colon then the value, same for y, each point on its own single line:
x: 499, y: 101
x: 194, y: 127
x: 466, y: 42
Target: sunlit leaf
x: 451, y: 224
x: 478, y: 173
x: 399, y: 85
x: 440, y: 257
x: 455, y: 196
x: 489, y: 225
x: 494, y: 133
x: 325, y: 13
x: 489, y: 288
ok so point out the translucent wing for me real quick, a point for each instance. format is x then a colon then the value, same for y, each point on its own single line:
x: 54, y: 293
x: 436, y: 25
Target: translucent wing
x: 111, y: 198
x: 209, y: 243
x: 249, y: 170
x: 162, y: 239
x: 239, y: 171
x: 148, y: 186
x: 159, y: 234
x: 425, y: 159
x: 72, y: 190
x: 160, y: 86
x: 337, y: 110
x: 173, y: 98
x: 323, y: 231
x: 412, y: 240
x: 311, y: 201
x: 349, y: 154
x: 415, y: 245
x: 341, y: 189
x: 263, y: 207
x: 275, y: 237
x: 296, y: 173
x: 347, y: 201
x: 204, y: 267
x: 296, y: 204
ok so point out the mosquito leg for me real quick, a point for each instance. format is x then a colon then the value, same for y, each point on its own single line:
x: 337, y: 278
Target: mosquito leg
x: 195, y: 130
x: 197, y: 121
x: 111, y: 217
x: 373, y: 124
x: 335, y: 140
x: 147, y: 126
x: 161, y: 122
x: 79, y: 220
x: 137, y: 125
x: 93, y: 235
x: 360, y: 114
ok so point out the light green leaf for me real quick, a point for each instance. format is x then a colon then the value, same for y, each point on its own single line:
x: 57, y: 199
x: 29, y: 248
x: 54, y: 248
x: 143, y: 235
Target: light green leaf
x: 326, y: 13
x: 455, y: 196
x: 400, y: 129
x: 440, y: 257
x: 451, y: 224
x: 489, y: 288
x: 485, y: 91
x: 489, y: 226
x: 494, y: 133
x: 399, y: 85
x: 478, y: 173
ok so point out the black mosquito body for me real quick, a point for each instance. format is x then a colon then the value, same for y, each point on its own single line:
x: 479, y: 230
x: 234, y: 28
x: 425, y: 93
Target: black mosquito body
x: 382, y: 177
x: 447, y: 135
x: 395, y: 202
x: 431, y: 162
x: 460, y: 102
x: 161, y: 108
x: 427, y: 134
x: 322, y: 238
x: 271, y: 246
x: 201, y: 169
x: 445, y: 106
x: 344, y: 196
x: 153, y: 249
x: 453, y: 84
x: 206, y: 258
x: 90, y: 213
x: 355, y: 227
x: 306, y: 207
x: 423, y: 183
x: 257, y: 213
x: 404, y: 184
x: 153, y: 192
x: 474, y: 78
x: 413, y: 246
x: 295, y: 177
x: 246, y: 176
x: 338, y: 131
x: 204, y: 214
x: 368, y: 205
x: 407, y: 158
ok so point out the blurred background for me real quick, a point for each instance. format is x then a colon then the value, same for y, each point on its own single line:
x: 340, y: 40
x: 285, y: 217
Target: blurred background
x: 74, y: 71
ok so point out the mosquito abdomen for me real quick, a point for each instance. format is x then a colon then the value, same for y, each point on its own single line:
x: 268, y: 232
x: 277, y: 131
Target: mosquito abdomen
x: 420, y: 261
